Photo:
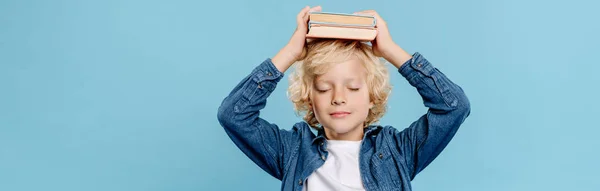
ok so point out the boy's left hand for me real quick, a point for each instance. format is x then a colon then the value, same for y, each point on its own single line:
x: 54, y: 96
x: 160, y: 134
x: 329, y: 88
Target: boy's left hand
x: 383, y: 45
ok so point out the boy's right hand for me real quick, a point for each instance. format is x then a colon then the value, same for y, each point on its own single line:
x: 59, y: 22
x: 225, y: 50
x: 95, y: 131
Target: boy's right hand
x: 293, y: 50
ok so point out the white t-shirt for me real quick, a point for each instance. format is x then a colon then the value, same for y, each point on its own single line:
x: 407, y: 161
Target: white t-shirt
x: 340, y: 170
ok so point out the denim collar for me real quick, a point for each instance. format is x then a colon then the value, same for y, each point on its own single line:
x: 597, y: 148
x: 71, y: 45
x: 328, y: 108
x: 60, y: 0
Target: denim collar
x: 321, y: 137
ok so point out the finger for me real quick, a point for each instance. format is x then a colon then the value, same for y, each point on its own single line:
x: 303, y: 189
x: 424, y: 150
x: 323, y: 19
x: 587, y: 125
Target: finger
x: 313, y: 9
x: 300, y: 15
x: 373, y: 13
x: 316, y: 9
x: 367, y: 12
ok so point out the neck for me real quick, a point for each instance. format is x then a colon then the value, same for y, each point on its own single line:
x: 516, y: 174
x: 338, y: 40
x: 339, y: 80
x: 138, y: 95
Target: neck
x: 355, y: 134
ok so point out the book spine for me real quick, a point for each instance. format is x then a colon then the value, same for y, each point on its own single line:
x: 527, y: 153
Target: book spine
x: 346, y: 14
x: 339, y: 24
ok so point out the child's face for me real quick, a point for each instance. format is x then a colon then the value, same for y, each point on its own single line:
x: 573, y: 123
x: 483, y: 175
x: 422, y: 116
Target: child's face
x: 340, y: 100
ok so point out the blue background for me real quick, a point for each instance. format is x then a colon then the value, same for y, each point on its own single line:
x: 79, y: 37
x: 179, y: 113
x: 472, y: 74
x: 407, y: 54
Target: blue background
x: 123, y: 94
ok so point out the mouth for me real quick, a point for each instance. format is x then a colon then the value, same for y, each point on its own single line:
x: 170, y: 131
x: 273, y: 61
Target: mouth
x: 339, y: 114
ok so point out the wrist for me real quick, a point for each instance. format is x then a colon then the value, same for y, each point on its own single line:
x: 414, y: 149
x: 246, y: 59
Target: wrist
x: 283, y: 59
x: 396, y: 55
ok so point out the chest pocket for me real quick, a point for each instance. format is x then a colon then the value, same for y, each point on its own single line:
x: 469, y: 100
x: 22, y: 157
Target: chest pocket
x: 385, y: 169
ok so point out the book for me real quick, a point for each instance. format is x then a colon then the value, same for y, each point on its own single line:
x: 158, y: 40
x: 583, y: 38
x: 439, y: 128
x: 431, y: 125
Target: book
x: 341, y: 26
x: 341, y: 18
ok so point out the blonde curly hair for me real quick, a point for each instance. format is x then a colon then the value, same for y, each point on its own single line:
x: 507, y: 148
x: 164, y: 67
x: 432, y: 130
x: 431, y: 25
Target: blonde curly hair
x: 317, y: 58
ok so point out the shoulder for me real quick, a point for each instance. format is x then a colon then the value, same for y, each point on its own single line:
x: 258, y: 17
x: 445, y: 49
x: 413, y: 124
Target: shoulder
x: 304, y: 131
x: 382, y: 129
x: 301, y: 127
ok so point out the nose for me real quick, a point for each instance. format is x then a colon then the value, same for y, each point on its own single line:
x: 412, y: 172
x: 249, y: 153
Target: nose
x: 338, y: 102
x: 338, y: 98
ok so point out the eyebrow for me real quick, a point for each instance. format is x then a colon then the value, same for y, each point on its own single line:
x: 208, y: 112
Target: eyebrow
x: 345, y: 81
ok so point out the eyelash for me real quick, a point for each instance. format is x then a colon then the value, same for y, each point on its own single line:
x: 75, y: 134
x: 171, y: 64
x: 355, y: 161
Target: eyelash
x: 351, y: 89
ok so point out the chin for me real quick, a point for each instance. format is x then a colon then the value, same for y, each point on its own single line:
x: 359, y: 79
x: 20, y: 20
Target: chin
x: 341, y: 128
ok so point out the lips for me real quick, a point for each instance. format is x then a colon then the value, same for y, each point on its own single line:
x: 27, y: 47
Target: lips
x: 339, y: 114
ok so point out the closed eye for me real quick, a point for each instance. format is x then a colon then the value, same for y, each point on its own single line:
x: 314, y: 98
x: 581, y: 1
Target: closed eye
x: 354, y: 89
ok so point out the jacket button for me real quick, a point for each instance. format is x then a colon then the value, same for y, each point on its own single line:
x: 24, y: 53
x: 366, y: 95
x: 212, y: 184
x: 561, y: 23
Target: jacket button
x: 419, y: 65
x: 259, y: 86
x: 380, y: 155
x: 300, y: 182
x: 323, y: 157
x: 322, y: 143
x: 269, y: 74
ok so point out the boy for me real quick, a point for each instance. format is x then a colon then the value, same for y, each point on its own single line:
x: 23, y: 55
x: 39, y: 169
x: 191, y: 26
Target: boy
x: 342, y: 89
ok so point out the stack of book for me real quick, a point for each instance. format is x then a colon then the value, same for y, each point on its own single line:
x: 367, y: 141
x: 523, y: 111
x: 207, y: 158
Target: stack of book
x: 341, y: 26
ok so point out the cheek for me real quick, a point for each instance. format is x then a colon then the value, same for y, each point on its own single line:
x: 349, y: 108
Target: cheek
x: 362, y: 98
x: 318, y: 103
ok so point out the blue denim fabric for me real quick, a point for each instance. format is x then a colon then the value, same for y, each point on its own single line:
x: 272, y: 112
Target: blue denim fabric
x: 389, y: 159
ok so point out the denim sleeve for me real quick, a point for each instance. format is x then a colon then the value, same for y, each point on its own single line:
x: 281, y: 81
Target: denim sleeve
x: 239, y: 114
x: 448, y: 107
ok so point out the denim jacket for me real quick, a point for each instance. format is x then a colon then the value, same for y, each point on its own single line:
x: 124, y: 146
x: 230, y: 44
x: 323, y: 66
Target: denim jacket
x: 389, y: 159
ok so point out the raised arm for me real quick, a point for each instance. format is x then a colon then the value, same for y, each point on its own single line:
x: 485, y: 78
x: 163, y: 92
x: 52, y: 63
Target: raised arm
x: 239, y: 114
x: 448, y: 105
